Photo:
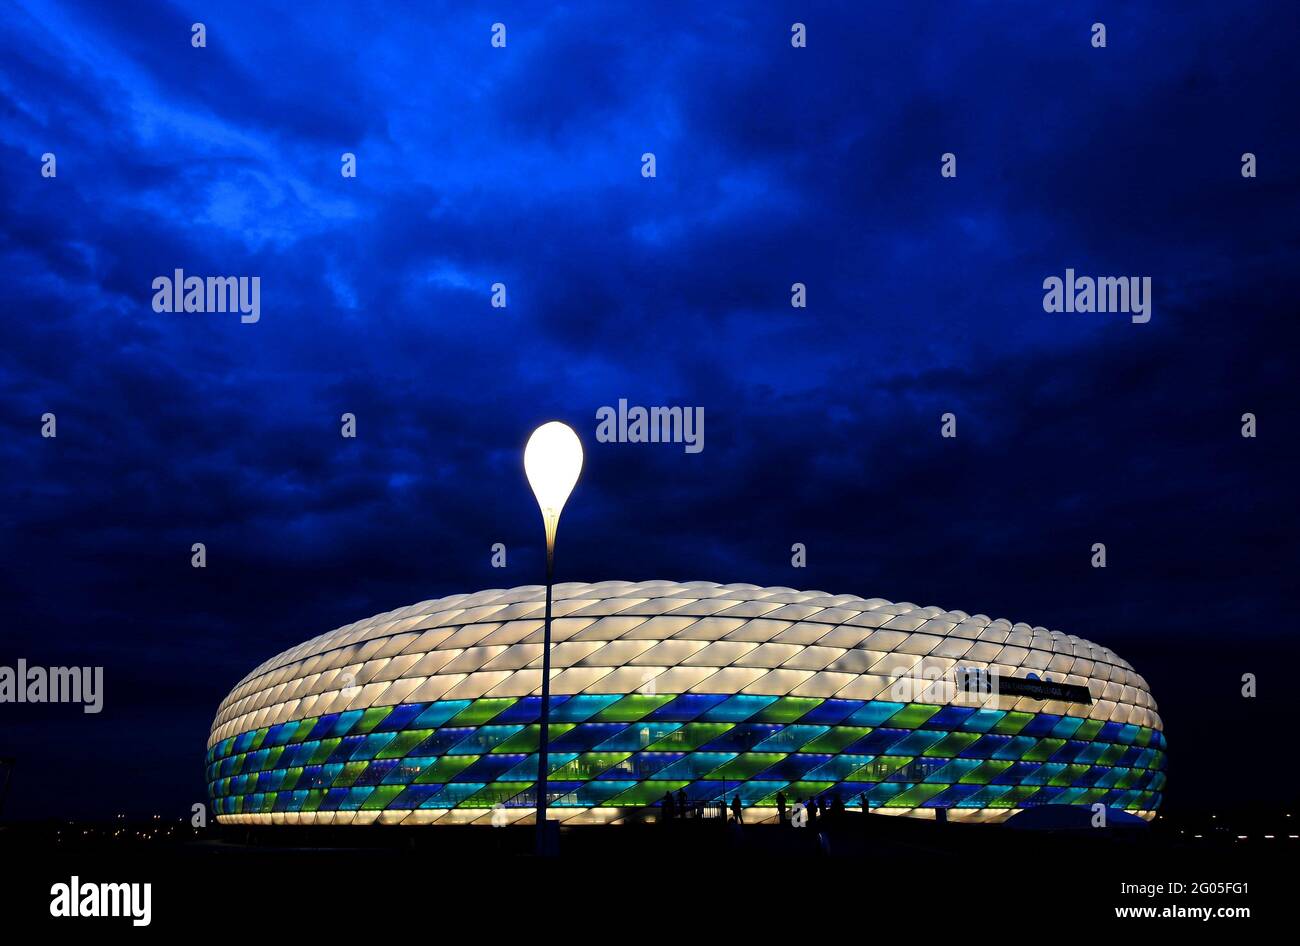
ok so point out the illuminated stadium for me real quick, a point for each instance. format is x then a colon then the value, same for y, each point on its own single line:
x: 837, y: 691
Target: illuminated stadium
x: 429, y: 714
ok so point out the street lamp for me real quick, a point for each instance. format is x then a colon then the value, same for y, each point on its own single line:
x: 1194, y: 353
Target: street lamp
x: 552, y: 462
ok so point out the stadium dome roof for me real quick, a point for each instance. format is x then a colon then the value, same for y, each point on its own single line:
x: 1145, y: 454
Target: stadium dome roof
x: 669, y: 637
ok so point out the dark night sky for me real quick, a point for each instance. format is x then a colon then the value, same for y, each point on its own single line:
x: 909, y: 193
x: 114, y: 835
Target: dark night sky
x: 522, y: 165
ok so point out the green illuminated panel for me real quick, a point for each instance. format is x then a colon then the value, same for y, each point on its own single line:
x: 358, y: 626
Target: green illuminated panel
x: 480, y: 711
x: 1088, y: 730
x: 370, y: 719
x: 1112, y: 755
x: 1012, y: 723
x: 381, y: 796
x: 489, y: 796
x: 631, y: 708
x: 912, y: 716
x: 1070, y: 775
x: 349, y: 774
x: 987, y: 772
x: 879, y: 769
x: 1047, y: 773
x: 1127, y: 779
x: 690, y: 736
x: 588, y: 765
x: 786, y: 710
x: 1015, y: 797
x: 324, y: 750
x: 404, y: 742
x: 915, y: 796
x: 952, y: 744
x: 798, y: 791
x: 445, y: 768
x: 528, y: 738
x: 1045, y: 749
x: 745, y: 766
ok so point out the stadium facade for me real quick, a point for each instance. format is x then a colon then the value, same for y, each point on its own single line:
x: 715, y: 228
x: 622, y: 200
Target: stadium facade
x: 429, y: 714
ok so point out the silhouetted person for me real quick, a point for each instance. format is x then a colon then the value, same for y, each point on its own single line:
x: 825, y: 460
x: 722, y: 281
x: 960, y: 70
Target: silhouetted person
x: 866, y: 809
x: 735, y: 809
x: 780, y: 808
x: 681, y: 801
x: 670, y: 809
x: 837, y: 806
x: 812, y: 812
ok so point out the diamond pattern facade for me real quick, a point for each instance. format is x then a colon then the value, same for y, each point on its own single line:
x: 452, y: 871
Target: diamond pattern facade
x: 430, y: 713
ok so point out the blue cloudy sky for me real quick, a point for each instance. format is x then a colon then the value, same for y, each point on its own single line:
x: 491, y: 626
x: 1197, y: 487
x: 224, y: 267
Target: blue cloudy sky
x: 522, y: 165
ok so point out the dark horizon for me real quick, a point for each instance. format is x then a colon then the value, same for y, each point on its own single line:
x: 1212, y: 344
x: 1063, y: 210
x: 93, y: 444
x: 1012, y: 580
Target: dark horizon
x: 522, y: 165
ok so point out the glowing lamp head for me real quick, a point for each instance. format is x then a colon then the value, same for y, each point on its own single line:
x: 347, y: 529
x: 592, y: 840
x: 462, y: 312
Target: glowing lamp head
x: 552, y: 462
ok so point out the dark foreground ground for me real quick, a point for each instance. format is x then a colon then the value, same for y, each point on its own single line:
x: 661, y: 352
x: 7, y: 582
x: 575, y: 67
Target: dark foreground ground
x: 860, y: 877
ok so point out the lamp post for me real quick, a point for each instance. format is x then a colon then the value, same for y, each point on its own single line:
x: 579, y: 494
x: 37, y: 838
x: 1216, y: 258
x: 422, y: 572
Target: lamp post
x: 552, y: 462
